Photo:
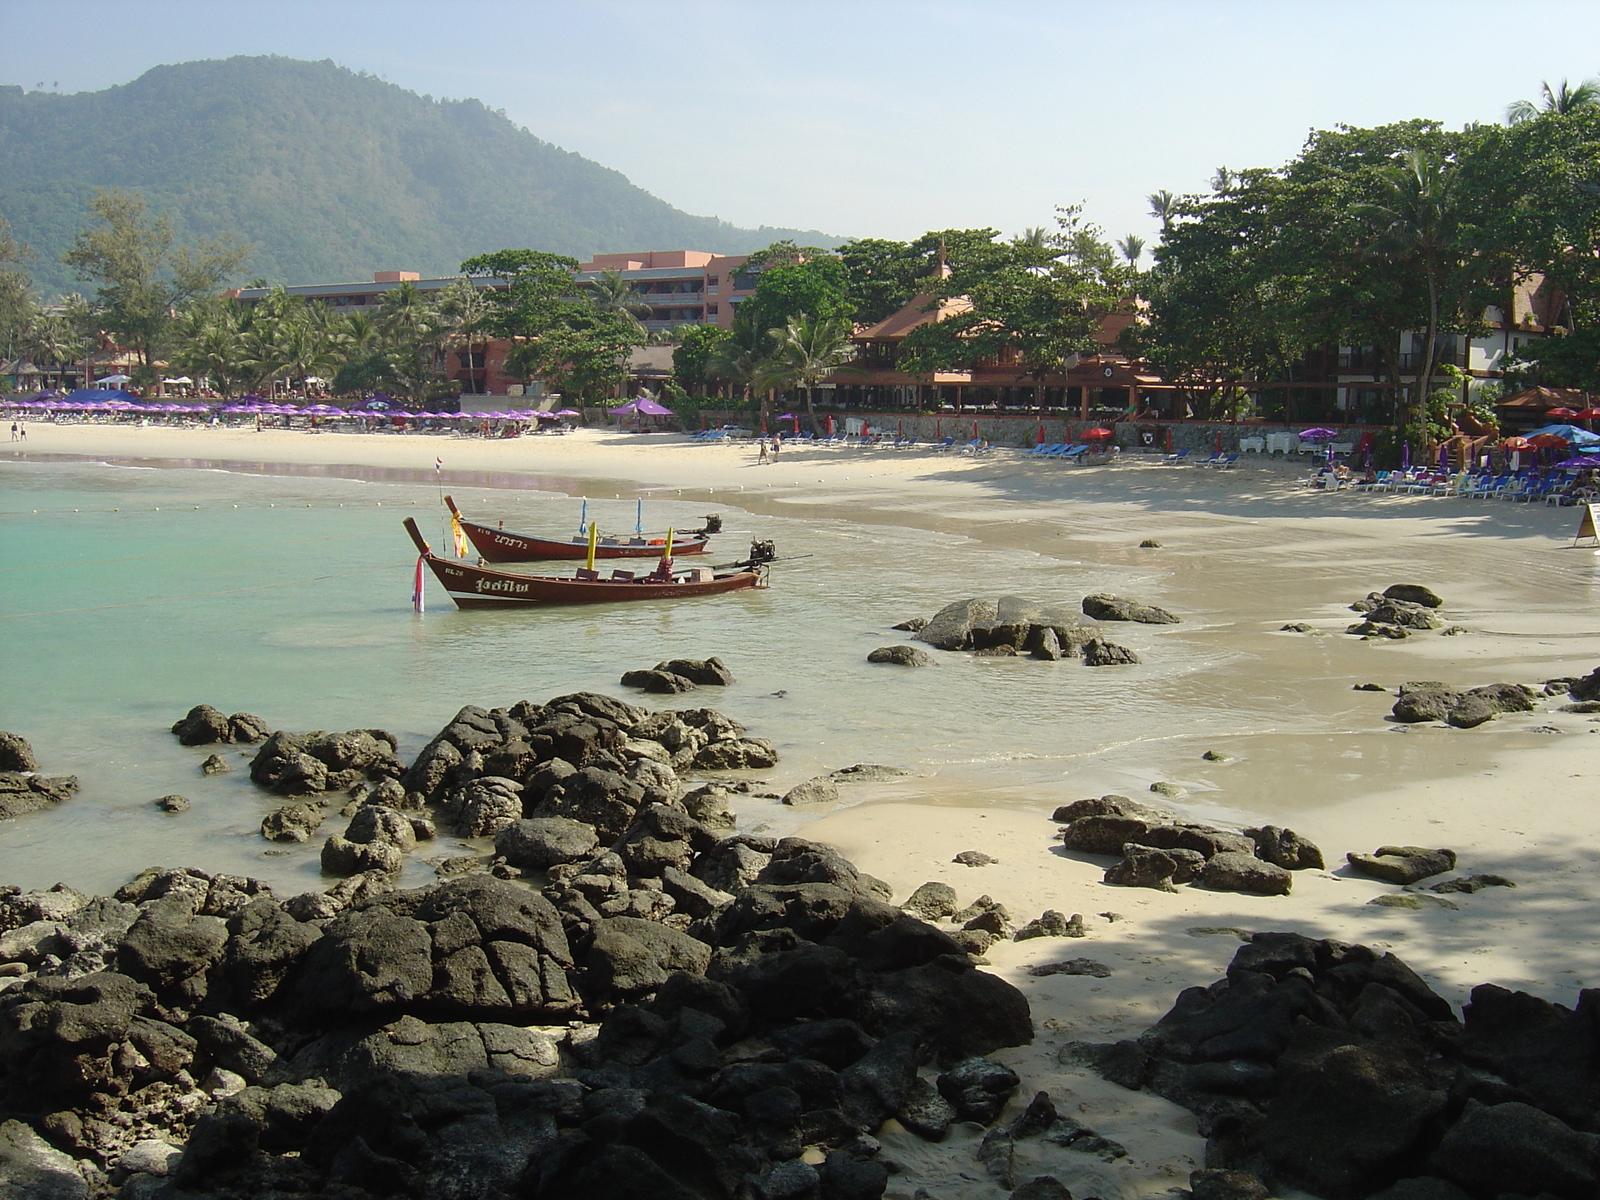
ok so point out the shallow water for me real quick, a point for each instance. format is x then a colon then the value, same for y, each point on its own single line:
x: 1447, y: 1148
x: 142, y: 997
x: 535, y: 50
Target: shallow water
x: 130, y: 594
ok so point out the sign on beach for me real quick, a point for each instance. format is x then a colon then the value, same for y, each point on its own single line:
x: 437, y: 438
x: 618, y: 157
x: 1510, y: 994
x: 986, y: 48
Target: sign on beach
x: 1587, y: 528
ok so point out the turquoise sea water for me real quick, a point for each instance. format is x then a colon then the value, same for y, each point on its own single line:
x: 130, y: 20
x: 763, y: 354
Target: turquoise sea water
x: 129, y: 594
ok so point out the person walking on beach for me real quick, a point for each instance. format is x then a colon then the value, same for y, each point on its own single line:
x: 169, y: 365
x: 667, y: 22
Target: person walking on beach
x: 13, y: 431
x: 22, y: 432
x: 777, y: 444
x: 760, y: 461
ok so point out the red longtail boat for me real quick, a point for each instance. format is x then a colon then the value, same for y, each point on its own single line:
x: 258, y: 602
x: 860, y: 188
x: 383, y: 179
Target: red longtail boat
x: 500, y: 545
x: 480, y: 587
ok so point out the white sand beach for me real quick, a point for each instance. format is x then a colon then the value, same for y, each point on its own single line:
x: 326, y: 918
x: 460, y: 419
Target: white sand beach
x: 1242, y: 553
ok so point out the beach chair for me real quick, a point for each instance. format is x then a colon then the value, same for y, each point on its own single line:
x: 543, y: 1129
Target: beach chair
x: 1227, y: 461
x: 944, y: 444
x: 1212, y: 461
x: 1176, y: 457
x: 1073, y: 454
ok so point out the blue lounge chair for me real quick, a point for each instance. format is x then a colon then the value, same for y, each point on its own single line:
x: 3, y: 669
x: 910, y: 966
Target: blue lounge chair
x: 1178, y: 457
x: 1212, y: 461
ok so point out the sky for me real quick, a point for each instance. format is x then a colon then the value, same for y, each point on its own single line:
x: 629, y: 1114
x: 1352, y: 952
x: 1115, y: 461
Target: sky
x: 877, y: 118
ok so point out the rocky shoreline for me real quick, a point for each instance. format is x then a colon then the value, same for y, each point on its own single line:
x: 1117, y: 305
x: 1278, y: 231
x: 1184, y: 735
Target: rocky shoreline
x: 628, y: 999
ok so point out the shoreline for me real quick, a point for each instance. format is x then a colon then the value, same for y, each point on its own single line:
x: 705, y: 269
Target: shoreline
x: 1464, y: 789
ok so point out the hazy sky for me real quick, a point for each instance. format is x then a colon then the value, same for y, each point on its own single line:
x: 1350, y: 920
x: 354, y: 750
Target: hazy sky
x: 876, y: 117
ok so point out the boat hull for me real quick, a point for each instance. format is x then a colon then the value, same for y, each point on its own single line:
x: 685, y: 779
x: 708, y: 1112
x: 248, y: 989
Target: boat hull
x: 479, y: 587
x: 500, y: 546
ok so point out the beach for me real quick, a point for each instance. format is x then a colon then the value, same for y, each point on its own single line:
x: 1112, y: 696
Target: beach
x: 1241, y: 553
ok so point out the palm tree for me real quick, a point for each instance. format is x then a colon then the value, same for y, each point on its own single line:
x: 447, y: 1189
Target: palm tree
x: 462, y: 313
x: 610, y: 292
x: 1416, y: 223
x: 49, y: 339
x: 807, y: 350
x: 1163, y: 206
x: 1558, y: 101
x: 1034, y: 236
x: 1131, y: 247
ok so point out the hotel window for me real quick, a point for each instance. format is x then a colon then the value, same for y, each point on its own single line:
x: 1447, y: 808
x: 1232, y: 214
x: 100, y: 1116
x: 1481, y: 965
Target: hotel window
x: 712, y: 284
x: 711, y: 310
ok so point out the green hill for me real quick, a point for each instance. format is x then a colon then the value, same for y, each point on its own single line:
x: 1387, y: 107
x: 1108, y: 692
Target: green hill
x: 328, y: 173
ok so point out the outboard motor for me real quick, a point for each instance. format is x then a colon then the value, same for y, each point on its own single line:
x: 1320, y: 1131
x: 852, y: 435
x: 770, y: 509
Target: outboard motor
x: 713, y: 525
x: 761, y: 552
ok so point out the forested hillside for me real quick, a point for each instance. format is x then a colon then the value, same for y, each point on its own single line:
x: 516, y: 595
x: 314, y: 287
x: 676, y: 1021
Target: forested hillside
x: 329, y: 174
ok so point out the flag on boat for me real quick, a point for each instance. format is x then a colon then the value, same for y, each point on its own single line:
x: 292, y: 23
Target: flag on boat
x: 416, y: 586
x: 458, y: 535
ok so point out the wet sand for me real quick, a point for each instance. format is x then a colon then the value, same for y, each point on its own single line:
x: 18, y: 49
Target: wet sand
x: 1242, y: 553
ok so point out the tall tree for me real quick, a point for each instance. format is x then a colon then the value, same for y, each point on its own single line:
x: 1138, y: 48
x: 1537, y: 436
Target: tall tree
x: 693, y: 357
x: 1131, y: 248
x: 1164, y: 206
x: 1560, y: 101
x: 143, y: 277
x: 806, y: 351
x: 1417, y: 222
x: 16, y: 290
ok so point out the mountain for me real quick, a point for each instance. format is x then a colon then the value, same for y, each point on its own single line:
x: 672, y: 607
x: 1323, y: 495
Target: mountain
x: 329, y: 173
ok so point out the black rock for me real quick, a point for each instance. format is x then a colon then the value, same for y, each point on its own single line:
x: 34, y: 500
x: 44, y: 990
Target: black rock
x: 1514, y: 1147
x: 978, y: 1088
x: 16, y: 754
x: 1413, y: 593
x: 903, y: 656
x: 661, y: 682
x: 1103, y: 607
x: 1403, y: 864
x: 706, y: 671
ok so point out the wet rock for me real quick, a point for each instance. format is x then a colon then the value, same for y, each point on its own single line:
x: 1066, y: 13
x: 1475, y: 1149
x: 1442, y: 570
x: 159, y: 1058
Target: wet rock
x: 1103, y: 607
x: 911, y: 625
x: 1424, y: 705
x: 488, y: 805
x: 1368, y: 687
x: 663, y: 683
x: 1285, y: 848
x: 214, y: 764
x: 24, y: 793
x: 1202, y: 839
x: 1166, y: 788
x: 1217, y: 756
x: 292, y: 823
x: 902, y: 656
x: 951, y: 627
x: 1468, y: 712
x: 16, y: 755
x: 1231, y: 872
x: 1097, y: 653
x: 1403, y: 864
x: 709, y: 672
x: 1047, y: 646
x: 1298, y: 627
x: 173, y: 804
x: 996, y: 652
x: 1413, y: 593
x: 340, y: 856
x: 734, y: 754
x: 820, y: 790
x: 541, y: 842
x: 1112, y: 806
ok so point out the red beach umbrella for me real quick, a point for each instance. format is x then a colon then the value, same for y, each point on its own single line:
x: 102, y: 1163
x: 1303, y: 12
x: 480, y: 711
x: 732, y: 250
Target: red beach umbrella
x: 1516, y: 443
x: 1098, y: 433
x: 1564, y: 414
x: 1545, y: 440
x: 1040, y: 440
x: 974, y: 431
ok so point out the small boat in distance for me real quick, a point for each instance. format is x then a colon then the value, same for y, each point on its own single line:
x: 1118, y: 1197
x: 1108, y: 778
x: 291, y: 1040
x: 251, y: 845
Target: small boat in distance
x: 500, y: 545
x: 481, y: 587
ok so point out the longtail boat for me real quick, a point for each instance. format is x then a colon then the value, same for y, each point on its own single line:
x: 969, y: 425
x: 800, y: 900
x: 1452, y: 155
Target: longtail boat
x: 481, y: 587
x: 500, y: 545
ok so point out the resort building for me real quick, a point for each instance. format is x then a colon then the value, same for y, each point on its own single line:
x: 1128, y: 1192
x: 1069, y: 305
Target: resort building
x: 682, y: 287
x: 1105, y: 383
